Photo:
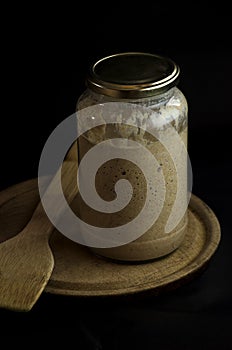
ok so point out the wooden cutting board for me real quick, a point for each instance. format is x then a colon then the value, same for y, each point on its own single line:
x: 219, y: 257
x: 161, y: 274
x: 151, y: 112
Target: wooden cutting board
x: 79, y: 272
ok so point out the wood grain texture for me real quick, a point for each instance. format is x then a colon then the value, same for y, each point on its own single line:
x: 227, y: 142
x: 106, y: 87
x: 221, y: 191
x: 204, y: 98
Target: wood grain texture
x: 79, y: 272
x: 26, y: 260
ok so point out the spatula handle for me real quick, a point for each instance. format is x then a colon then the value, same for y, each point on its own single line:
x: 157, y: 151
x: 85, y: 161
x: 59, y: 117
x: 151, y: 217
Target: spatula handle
x: 67, y: 176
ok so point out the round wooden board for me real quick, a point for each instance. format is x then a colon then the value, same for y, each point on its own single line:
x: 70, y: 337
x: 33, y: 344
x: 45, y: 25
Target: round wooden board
x: 79, y: 272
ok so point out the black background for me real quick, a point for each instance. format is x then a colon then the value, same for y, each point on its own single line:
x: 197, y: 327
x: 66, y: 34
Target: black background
x: 46, y: 53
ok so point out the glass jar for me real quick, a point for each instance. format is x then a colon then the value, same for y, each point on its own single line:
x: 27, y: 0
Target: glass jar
x: 149, y: 82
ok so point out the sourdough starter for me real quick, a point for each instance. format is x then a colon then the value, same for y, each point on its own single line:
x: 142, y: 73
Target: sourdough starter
x: 154, y: 242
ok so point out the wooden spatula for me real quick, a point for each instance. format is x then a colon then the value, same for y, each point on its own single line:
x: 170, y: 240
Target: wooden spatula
x: 26, y: 261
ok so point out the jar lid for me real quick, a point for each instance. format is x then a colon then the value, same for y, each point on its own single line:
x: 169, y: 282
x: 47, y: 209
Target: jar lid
x: 132, y: 75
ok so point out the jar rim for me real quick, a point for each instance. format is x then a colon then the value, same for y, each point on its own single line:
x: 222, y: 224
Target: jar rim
x: 132, y: 75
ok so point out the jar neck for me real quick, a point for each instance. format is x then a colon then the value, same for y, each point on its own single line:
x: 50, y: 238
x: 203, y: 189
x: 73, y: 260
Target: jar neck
x: 152, y: 101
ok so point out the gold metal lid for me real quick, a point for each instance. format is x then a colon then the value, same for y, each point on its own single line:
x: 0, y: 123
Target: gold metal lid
x: 132, y: 75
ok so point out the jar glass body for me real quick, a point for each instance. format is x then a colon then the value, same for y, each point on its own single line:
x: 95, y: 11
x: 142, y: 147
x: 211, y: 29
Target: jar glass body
x: 167, y: 111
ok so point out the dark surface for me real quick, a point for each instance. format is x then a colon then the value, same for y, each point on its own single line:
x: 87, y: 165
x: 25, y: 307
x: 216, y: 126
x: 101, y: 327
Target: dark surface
x: 46, y: 57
